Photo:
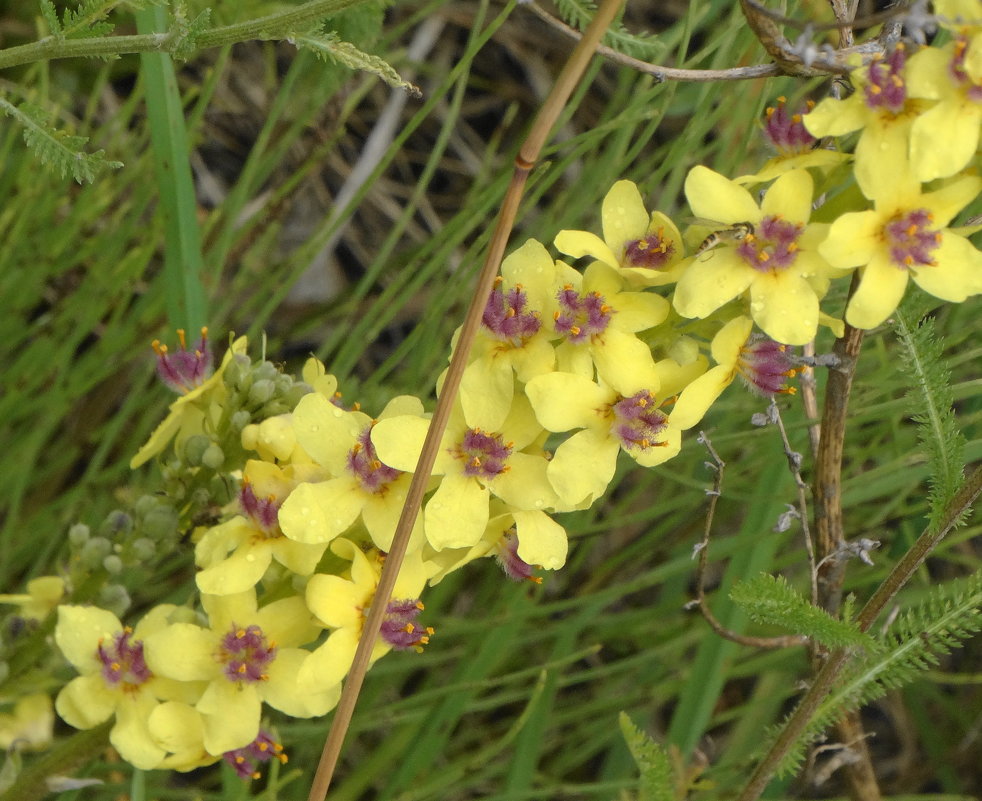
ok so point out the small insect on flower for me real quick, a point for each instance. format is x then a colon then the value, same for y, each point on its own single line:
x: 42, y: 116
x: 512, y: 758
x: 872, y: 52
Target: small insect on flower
x: 736, y: 232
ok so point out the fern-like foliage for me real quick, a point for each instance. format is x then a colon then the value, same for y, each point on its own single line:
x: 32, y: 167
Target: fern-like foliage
x: 328, y: 47
x: 915, y: 642
x: 771, y: 600
x: 578, y: 14
x: 87, y: 19
x: 930, y: 403
x: 652, y: 761
x: 57, y: 149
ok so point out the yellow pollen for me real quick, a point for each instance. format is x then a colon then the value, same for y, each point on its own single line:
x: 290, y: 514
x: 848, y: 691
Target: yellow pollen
x: 763, y: 256
x: 180, y: 338
x: 241, y: 669
x: 115, y: 666
x: 645, y: 442
x: 240, y: 634
x: 239, y: 759
x: 574, y: 330
x: 911, y: 229
x: 793, y: 247
x: 510, y: 313
x: 409, y: 628
x: 769, y: 112
x: 874, y: 89
x: 643, y: 244
x: 897, y: 80
x: 376, y: 464
x: 782, y: 99
x: 796, y: 118
x: 419, y: 606
x: 908, y: 260
x: 356, y: 449
x: 283, y: 758
x: 256, y: 774
x: 475, y: 462
x: 263, y: 746
x: 810, y: 104
x: 604, y: 308
x: 555, y: 315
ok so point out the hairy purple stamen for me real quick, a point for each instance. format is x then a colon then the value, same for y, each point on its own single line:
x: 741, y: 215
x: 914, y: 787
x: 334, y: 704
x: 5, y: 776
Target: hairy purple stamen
x: 581, y: 317
x: 773, y: 246
x: 122, y: 661
x: 246, y: 654
x: 364, y: 464
x: 186, y: 369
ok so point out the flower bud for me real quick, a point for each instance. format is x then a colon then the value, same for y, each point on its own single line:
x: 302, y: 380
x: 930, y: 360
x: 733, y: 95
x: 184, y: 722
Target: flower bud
x: 240, y: 420
x: 266, y: 371
x: 112, y: 564
x: 238, y: 372
x: 78, y: 534
x: 213, y: 457
x: 143, y: 549
x: 94, y: 551
x: 194, y: 449
x: 261, y: 391
x: 160, y: 523
x: 114, y: 598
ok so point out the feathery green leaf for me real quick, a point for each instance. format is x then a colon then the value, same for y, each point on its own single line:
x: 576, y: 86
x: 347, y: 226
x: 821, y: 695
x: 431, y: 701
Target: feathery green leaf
x: 771, y: 600
x: 930, y: 399
x: 328, y: 47
x: 950, y: 615
x: 56, y: 148
x: 652, y: 761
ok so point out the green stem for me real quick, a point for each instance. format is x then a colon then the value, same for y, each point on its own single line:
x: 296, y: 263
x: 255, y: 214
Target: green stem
x: 273, y: 26
x: 953, y: 515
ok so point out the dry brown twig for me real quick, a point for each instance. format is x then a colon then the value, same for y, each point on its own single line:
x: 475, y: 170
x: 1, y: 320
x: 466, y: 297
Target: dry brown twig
x: 717, y: 465
x: 524, y: 161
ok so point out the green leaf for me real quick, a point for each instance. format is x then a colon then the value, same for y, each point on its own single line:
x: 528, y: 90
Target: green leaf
x: 328, y: 47
x: 651, y: 759
x: 771, y: 600
x: 50, y: 15
x: 56, y: 148
x: 930, y: 401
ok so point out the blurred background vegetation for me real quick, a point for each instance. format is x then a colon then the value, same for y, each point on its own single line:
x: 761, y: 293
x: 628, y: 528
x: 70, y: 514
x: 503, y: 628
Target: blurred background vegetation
x: 347, y: 219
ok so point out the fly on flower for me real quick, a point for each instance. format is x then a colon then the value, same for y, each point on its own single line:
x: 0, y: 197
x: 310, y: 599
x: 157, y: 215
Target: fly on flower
x: 735, y: 232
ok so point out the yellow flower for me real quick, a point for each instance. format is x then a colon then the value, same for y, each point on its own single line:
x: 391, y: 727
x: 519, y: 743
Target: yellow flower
x: 116, y: 679
x: 360, y: 484
x: 234, y: 555
x: 512, y: 341
x: 475, y: 462
x: 29, y: 725
x: 342, y: 602
x: 882, y: 108
x: 778, y: 262
x: 645, y: 249
x: 943, y: 139
x: 43, y: 596
x: 905, y: 236
x: 245, y: 657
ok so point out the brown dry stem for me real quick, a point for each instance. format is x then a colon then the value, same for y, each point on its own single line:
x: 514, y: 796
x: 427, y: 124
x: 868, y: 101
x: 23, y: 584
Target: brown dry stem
x: 529, y: 152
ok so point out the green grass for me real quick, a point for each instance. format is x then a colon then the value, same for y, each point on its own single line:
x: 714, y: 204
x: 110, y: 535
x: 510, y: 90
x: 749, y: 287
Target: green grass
x: 518, y: 695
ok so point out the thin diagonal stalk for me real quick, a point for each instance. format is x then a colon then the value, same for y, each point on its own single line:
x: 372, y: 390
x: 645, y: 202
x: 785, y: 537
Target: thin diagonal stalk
x: 953, y: 514
x: 524, y: 161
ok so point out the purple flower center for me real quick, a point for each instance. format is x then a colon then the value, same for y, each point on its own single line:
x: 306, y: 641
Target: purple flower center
x: 910, y: 240
x: 262, y: 512
x: 122, y: 661
x: 958, y: 74
x: 773, y: 246
x: 886, y: 89
x: 581, y: 317
x: 399, y: 628
x: 484, y: 455
x: 786, y: 132
x: 508, y: 317
x: 506, y: 554
x: 186, y: 369
x: 246, y: 654
x: 638, y: 421
x: 653, y: 252
x: 765, y: 365
x: 364, y: 464
x: 246, y: 760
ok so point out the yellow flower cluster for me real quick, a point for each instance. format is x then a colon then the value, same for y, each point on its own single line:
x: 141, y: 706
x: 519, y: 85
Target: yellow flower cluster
x: 570, y: 369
